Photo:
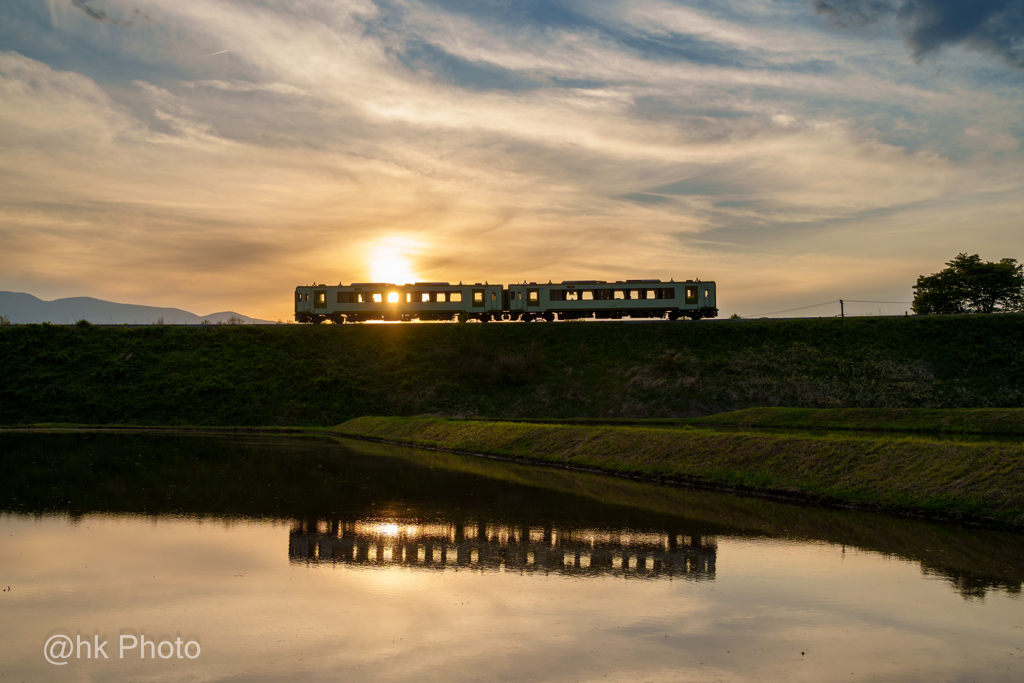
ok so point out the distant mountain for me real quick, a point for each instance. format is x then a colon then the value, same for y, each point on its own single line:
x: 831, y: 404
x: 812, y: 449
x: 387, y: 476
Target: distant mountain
x: 25, y: 308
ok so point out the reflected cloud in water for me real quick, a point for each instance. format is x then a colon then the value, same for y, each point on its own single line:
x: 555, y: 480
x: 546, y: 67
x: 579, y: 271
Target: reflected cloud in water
x: 305, y: 559
x: 401, y: 500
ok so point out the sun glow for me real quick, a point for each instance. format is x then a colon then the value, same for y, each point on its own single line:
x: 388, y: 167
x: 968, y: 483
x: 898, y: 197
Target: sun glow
x: 389, y: 261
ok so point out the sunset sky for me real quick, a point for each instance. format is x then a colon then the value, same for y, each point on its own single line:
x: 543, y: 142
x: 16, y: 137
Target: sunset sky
x: 213, y: 154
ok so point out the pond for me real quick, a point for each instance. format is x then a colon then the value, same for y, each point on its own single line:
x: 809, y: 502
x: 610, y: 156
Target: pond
x: 249, y: 558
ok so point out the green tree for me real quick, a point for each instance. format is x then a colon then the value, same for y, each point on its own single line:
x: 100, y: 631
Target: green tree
x: 970, y: 285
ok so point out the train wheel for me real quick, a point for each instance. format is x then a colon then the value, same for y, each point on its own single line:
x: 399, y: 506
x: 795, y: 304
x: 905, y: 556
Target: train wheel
x: 485, y: 317
x: 549, y: 316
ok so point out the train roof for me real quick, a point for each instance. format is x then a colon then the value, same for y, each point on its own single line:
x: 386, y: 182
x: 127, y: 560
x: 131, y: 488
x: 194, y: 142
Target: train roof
x: 483, y: 284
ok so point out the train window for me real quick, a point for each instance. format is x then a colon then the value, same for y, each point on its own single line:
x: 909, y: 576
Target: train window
x: 557, y: 295
x: 455, y: 296
x: 321, y: 298
x: 668, y: 293
x: 478, y: 297
x: 586, y: 295
x: 604, y: 294
x: 300, y: 297
x: 707, y: 293
x: 361, y: 298
x: 691, y: 295
x: 377, y: 297
x: 392, y: 297
x: 532, y: 297
x: 424, y: 296
x: 619, y: 294
x: 494, y: 297
x: 408, y: 297
x: 651, y: 294
x: 641, y: 293
x: 307, y: 297
x: 571, y: 295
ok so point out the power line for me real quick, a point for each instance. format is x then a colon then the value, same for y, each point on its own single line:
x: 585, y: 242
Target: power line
x: 877, y: 302
x: 789, y: 310
x: 836, y: 301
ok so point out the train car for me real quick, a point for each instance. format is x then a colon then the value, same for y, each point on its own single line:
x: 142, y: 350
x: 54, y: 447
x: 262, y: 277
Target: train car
x: 575, y: 299
x: 568, y: 300
x: 362, y: 301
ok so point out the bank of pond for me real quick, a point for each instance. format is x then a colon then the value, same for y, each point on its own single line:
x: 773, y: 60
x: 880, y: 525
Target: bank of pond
x: 957, y: 465
x: 977, y: 479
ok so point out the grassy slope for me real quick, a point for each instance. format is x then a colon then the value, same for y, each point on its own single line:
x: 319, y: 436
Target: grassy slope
x: 321, y: 375
x: 958, y: 421
x: 972, y: 480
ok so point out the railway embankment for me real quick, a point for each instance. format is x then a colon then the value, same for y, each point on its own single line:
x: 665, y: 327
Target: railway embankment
x: 968, y: 481
x: 299, y: 375
x: 962, y: 421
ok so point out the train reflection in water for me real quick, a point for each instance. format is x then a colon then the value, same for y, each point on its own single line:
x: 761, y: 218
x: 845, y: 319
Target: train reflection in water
x: 492, y: 547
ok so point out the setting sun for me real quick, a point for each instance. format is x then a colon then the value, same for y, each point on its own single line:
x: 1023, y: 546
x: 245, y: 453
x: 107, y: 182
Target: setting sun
x: 389, y: 260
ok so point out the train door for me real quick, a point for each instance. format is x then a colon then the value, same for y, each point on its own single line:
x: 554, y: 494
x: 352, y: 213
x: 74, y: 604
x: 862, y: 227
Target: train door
x: 516, y: 299
x: 303, y: 302
x: 707, y: 299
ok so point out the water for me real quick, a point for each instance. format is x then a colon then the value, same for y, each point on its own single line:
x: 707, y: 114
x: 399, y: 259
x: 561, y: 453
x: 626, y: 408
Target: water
x: 290, y: 558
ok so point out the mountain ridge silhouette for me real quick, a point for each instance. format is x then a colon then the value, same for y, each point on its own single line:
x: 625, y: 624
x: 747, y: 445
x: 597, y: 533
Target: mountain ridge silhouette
x: 22, y: 308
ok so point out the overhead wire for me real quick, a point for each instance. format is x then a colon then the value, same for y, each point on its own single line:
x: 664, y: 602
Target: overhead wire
x: 836, y: 301
x: 789, y: 310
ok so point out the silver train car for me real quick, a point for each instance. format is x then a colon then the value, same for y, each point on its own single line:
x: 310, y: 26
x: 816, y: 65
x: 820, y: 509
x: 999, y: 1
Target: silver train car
x: 569, y: 300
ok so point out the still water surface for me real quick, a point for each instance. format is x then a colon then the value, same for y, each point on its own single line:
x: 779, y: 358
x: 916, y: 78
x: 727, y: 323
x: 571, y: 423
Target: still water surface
x: 303, y: 559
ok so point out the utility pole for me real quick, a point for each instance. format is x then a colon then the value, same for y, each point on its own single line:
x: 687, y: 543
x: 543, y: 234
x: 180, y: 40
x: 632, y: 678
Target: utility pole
x: 842, y: 313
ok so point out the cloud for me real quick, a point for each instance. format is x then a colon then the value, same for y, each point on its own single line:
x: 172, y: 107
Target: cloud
x: 995, y: 27
x: 100, y: 15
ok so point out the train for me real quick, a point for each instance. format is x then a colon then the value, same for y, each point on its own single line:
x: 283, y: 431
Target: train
x: 526, y: 302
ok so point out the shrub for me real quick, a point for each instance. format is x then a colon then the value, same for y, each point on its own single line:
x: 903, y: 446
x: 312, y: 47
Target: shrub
x: 82, y: 322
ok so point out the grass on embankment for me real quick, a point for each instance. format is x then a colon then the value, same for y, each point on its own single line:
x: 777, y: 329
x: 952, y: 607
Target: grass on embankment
x: 972, y: 481
x: 950, y: 421
x: 307, y: 375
